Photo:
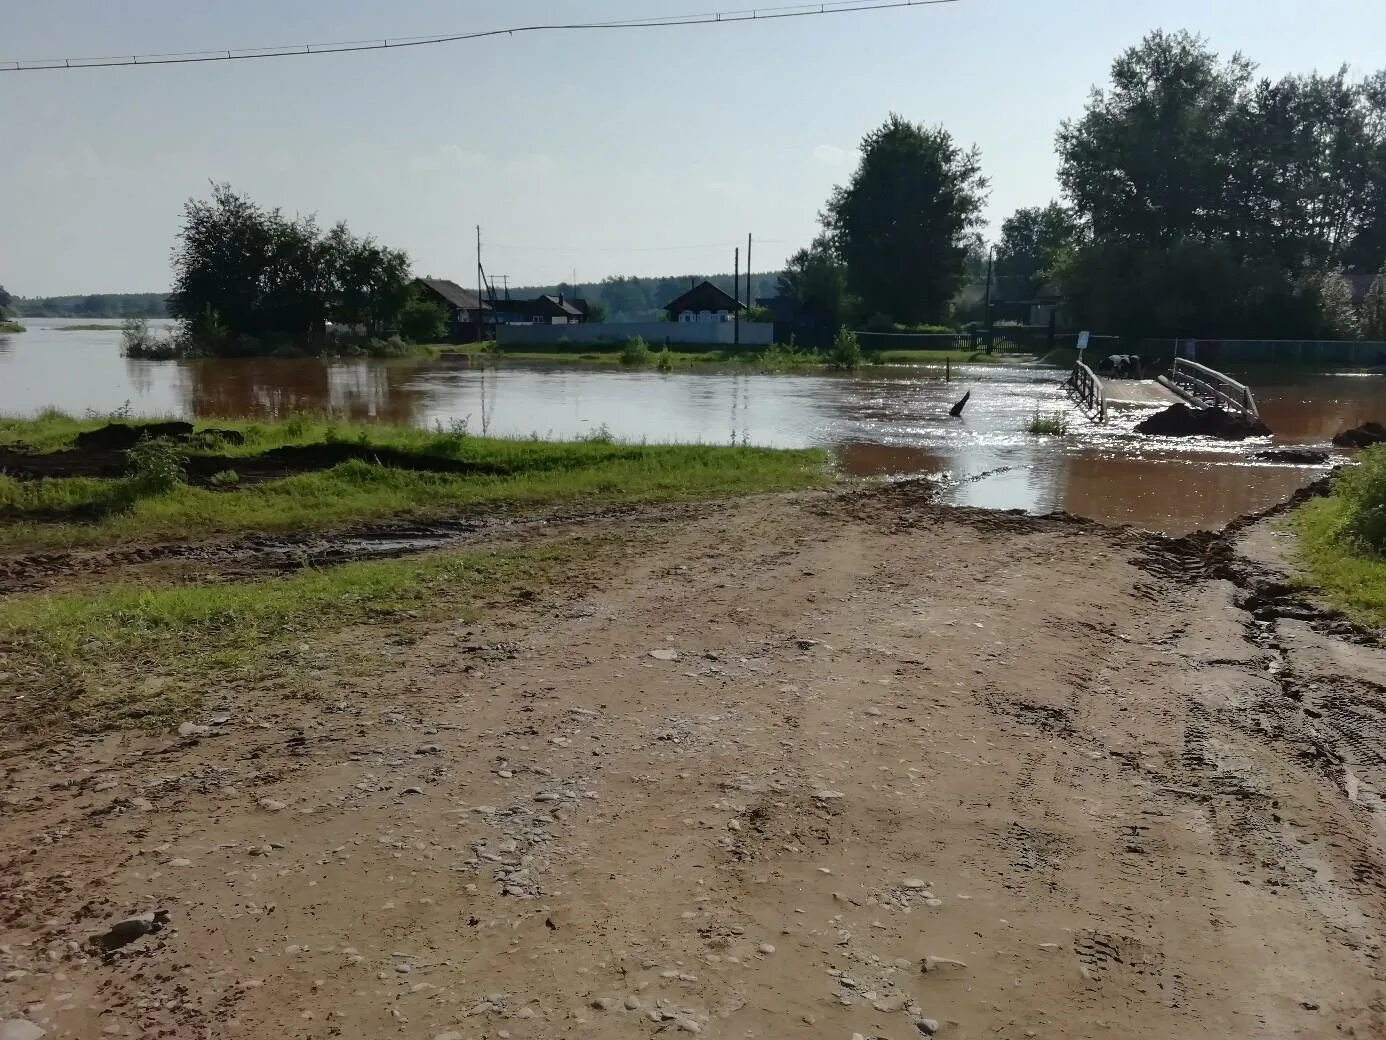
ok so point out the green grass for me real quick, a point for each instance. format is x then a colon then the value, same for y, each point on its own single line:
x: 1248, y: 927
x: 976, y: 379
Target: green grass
x: 130, y: 655
x: 938, y: 357
x: 88, y: 328
x: 1353, y: 580
x: 10, y: 326
x: 1055, y: 425
x: 534, y: 474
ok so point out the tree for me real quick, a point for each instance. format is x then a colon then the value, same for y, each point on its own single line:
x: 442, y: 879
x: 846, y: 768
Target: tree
x: 244, y: 275
x: 1338, y: 316
x: 901, y: 225
x: 423, y: 320
x: 1374, y: 309
x: 1211, y: 203
x: 1146, y: 159
x: 5, y: 300
x: 1033, y: 239
x: 816, y: 280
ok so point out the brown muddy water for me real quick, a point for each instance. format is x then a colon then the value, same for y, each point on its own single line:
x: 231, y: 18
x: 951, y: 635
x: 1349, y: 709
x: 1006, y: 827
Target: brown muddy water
x: 886, y: 422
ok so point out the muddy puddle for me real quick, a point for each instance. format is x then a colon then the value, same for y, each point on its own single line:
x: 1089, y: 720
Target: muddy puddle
x: 884, y: 423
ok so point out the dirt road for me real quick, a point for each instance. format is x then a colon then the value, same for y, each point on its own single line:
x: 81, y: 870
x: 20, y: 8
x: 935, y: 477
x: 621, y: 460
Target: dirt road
x: 818, y: 766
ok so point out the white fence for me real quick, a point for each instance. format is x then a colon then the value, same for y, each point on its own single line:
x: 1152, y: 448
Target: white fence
x: 656, y: 333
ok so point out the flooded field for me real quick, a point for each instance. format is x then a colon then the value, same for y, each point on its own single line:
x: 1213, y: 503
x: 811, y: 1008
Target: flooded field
x: 883, y: 422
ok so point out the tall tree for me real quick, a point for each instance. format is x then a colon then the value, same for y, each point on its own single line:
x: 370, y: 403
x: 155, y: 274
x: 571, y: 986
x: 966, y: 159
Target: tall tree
x: 815, y: 279
x: 244, y: 274
x: 1146, y: 160
x: 1374, y: 309
x: 1032, y: 239
x: 902, y: 224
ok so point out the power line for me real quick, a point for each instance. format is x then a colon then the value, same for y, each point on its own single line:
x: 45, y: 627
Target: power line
x: 351, y: 46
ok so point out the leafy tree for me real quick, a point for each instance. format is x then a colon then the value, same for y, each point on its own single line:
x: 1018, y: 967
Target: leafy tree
x: 817, y: 282
x: 5, y: 300
x: 423, y: 320
x: 1213, y: 203
x: 1374, y: 308
x: 1033, y: 239
x: 1145, y: 161
x: 1337, y: 315
x: 902, y: 224
x: 245, y: 275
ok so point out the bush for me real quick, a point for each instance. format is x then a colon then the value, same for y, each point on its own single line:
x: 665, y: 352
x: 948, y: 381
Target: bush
x: 225, y: 478
x: 635, y: 352
x: 423, y: 320
x: 155, y: 466
x: 665, y: 360
x: 846, y: 353
x: 1363, y: 490
x: 1052, y: 425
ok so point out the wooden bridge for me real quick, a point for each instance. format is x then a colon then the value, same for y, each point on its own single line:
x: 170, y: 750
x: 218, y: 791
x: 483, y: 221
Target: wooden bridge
x: 1187, y: 381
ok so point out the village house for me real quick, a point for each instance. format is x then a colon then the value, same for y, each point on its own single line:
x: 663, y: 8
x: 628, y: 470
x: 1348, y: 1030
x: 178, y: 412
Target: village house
x: 704, y: 303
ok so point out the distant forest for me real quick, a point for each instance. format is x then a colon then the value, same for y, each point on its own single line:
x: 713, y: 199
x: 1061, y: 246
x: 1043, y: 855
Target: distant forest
x: 643, y: 299
x: 98, y: 305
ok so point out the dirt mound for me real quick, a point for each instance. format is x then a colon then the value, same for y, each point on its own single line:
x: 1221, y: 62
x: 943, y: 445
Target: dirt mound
x: 1179, y: 420
x: 117, y: 436
x: 1363, y: 436
x: 1293, y: 456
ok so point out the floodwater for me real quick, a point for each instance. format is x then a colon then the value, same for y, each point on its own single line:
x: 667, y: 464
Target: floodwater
x: 887, y: 422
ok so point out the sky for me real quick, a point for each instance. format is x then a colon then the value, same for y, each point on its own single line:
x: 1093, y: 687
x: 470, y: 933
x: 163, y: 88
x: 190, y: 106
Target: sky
x: 581, y: 155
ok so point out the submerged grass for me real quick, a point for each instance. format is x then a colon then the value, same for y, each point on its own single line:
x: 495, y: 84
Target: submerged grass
x: 1055, y: 425
x: 131, y: 655
x: 524, y: 473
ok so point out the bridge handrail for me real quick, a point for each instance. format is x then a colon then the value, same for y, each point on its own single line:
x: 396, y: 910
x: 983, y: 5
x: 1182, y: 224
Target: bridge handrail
x: 1240, y: 396
x: 1088, y: 388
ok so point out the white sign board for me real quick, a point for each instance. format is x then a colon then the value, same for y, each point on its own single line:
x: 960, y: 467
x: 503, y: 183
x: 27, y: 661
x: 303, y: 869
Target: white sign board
x: 1083, y: 338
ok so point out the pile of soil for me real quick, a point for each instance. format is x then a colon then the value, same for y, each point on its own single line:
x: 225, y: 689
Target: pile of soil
x: 123, y: 436
x: 1293, y: 456
x: 1179, y: 420
x: 1363, y: 436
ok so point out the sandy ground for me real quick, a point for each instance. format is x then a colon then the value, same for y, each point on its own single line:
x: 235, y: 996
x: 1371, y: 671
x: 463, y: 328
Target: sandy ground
x: 815, y: 766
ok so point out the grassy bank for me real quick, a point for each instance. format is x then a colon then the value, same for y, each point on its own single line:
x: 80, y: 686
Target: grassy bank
x: 519, y: 474
x: 1341, y: 538
x: 10, y: 327
x: 130, y: 655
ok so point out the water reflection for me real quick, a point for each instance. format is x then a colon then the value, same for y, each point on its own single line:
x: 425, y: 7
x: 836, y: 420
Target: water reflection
x: 883, y: 422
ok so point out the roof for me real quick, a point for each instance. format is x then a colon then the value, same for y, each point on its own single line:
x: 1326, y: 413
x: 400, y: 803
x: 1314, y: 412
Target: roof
x: 704, y: 297
x: 564, y: 305
x: 454, y: 294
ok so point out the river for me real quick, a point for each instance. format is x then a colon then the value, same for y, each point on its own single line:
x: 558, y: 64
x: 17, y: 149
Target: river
x: 881, y: 422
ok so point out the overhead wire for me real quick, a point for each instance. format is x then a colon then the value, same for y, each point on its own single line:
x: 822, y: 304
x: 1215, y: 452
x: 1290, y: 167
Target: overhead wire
x: 353, y: 46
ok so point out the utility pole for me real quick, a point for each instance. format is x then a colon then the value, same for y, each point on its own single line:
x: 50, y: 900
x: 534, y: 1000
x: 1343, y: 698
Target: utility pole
x: 749, y: 300
x: 991, y: 253
x: 736, y: 291
x: 480, y: 329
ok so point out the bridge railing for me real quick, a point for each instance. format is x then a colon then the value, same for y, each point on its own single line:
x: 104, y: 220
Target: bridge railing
x: 1209, y: 387
x: 1089, y: 391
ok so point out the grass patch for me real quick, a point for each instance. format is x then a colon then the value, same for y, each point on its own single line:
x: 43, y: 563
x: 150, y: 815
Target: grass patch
x: 88, y: 328
x: 1355, y: 581
x: 1342, y: 538
x: 1055, y: 425
x: 134, y: 656
x: 938, y: 357
x: 11, y: 326
x: 525, y: 474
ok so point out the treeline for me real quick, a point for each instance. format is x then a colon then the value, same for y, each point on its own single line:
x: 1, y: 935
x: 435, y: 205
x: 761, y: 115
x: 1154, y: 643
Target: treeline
x: 1198, y: 200
x: 632, y: 298
x: 96, y: 305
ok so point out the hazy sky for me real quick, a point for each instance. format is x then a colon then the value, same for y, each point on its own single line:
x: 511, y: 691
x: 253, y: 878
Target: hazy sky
x: 649, y: 152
